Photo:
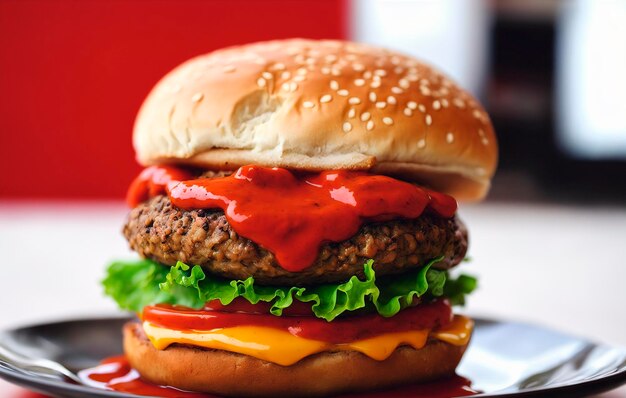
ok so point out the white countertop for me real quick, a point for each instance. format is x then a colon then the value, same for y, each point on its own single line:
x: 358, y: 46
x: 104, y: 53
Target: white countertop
x: 558, y: 266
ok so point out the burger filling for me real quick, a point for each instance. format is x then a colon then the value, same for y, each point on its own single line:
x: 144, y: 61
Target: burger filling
x: 158, y: 230
x: 278, y: 265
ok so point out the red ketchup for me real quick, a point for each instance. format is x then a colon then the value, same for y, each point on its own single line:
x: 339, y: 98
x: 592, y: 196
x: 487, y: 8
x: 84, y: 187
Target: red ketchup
x: 116, y: 374
x: 341, y: 330
x: 291, y: 215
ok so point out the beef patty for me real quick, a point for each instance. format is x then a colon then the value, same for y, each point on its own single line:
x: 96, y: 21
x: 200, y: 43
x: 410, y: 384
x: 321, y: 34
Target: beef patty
x: 166, y: 234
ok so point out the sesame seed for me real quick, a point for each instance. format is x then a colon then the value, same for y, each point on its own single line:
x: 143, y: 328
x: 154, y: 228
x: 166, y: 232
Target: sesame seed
x: 396, y: 90
x: 481, y: 132
x: 359, y: 82
x: 358, y: 67
x: 293, y: 86
x: 375, y: 84
x: 367, y: 74
x: 285, y: 86
x: 335, y: 72
x: 229, y: 68
x: 484, y: 141
x: 459, y: 103
x: 372, y: 96
x: 476, y: 114
x: 445, y: 103
x: 380, y: 72
x: 429, y: 120
x: 308, y: 104
x: 326, y: 98
x: 404, y: 83
x: 285, y: 75
x: 261, y: 82
x: 352, y: 113
x: 388, y: 121
x: 421, y: 144
x: 381, y: 105
x: 343, y: 92
x: 267, y: 75
x: 197, y: 97
x: 421, y: 108
x: 334, y: 85
x: 436, y: 105
x: 365, y: 116
x: 449, y: 138
x: 325, y: 70
x: 398, y: 70
x: 302, y: 71
x: 299, y: 78
x: 412, y: 104
x: 347, y: 127
x: 376, y: 78
x: 395, y: 60
x: 279, y: 66
x: 354, y: 100
x: 391, y: 100
x: 412, y: 78
x: 408, y: 112
x: 330, y: 58
x: 370, y: 125
x: 425, y: 90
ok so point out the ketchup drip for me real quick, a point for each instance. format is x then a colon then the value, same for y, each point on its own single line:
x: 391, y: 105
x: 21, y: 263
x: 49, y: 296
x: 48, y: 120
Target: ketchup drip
x: 290, y: 215
x: 116, y: 374
x: 153, y: 181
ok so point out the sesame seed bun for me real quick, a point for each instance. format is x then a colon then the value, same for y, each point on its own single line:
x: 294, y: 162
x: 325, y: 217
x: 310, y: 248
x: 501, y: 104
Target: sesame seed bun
x: 319, y: 105
x: 328, y: 373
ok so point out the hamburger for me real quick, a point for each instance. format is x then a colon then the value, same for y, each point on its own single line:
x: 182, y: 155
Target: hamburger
x: 297, y: 223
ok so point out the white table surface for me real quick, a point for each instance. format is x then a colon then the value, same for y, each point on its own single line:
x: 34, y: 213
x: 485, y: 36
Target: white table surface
x: 559, y: 266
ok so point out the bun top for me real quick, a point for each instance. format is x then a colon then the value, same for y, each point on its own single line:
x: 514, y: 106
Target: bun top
x: 317, y: 105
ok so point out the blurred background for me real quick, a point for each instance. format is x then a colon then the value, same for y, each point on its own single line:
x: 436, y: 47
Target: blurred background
x: 549, y: 244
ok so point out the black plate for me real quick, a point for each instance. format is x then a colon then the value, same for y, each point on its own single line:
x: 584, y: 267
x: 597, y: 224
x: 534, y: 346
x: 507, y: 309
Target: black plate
x: 504, y: 359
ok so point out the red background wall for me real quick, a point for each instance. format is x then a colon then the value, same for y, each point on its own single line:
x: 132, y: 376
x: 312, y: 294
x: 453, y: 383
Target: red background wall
x: 74, y: 73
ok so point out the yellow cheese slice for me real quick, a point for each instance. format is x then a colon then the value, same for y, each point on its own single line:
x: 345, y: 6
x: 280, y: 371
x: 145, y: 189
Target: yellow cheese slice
x: 458, y: 332
x: 283, y: 348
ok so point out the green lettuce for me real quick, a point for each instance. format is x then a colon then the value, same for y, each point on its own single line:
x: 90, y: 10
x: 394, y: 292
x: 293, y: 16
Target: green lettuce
x: 137, y: 284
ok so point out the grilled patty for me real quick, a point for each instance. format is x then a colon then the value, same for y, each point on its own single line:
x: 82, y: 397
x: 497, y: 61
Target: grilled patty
x: 164, y: 233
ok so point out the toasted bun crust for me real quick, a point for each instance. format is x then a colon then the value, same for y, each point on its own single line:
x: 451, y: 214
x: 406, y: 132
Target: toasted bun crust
x: 318, y: 105
x: 230, y: 374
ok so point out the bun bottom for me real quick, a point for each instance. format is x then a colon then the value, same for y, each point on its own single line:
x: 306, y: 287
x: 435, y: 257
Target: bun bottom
x: 327, y: 373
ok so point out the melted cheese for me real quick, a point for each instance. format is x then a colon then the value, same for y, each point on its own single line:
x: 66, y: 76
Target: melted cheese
x: 458, y: 332
x: 283, y: 348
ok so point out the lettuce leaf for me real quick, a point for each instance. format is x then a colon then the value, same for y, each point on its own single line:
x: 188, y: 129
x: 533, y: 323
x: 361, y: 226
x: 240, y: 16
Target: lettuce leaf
x: 457, y: 289
x: 137, y: 284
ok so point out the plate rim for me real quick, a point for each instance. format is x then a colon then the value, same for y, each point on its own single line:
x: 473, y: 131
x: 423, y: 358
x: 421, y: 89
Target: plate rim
x: 597, y: 384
